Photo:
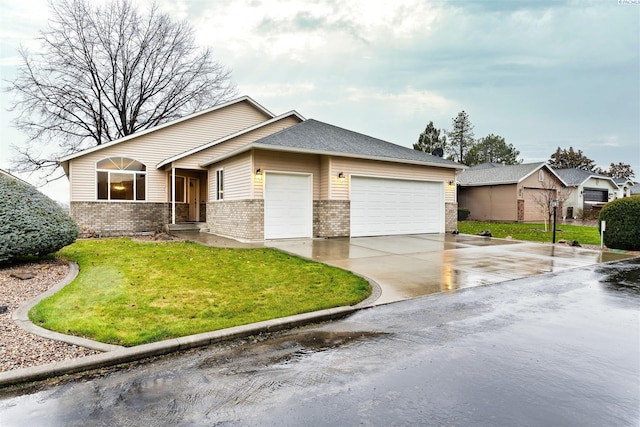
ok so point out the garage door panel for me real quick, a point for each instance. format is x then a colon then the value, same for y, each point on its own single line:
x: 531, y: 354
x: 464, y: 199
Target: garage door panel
x: 389, y: 206
x: 287, y: 206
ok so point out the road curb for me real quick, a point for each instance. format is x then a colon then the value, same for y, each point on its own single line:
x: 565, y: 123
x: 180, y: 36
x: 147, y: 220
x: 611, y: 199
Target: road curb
x: 131, y: 354
x: 21, y: 317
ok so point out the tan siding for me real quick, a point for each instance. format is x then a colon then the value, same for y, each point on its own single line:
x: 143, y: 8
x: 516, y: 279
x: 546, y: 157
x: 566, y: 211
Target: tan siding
x: 237, y: 177
x: 196, y: 159
x: 155, y: 147
x: 535, y: 202
x: 490, y: 203
x: 390, y: 170
x: 325, y: 172
x: 550, y: 181
x: 272, y: 161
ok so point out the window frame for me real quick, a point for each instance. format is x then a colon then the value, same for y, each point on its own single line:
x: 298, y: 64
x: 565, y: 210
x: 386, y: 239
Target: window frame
x: 139, y: 171
x: 184, y: 189
x: 219, y: 184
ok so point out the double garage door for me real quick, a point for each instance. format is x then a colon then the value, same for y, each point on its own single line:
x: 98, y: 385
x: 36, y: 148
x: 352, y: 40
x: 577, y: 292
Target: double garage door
x: 379, y: 206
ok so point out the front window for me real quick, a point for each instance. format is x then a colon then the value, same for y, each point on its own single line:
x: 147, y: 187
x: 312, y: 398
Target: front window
x: 121, y: 178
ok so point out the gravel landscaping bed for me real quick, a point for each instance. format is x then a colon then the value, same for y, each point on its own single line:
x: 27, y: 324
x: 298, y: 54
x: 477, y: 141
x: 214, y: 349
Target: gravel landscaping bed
x: 18, y: 348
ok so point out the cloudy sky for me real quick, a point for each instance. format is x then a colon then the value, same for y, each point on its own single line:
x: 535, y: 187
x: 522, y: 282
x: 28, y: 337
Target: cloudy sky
x: 542, y: 74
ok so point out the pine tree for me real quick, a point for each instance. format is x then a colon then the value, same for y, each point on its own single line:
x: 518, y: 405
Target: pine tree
x: 460, y: 136
x: 430, y: 140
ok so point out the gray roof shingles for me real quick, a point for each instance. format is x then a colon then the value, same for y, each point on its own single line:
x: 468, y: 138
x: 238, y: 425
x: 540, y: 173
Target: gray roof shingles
x: 315, y: 136
x: 577, y: 176
x: 497, y: 174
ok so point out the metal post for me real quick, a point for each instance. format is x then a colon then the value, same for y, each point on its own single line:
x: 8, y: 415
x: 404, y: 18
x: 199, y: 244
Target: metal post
x: 555, y: 207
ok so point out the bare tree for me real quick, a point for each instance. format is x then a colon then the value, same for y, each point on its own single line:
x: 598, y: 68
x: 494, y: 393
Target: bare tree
x: 105, y: 72
x: 545, y: 200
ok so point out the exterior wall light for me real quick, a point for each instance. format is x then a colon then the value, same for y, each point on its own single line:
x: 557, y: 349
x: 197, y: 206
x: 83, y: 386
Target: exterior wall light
x: 258, y: 174
x: 341, y: 177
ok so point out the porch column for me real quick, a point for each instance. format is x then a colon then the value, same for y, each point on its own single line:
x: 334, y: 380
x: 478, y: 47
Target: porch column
x: 173, y: 196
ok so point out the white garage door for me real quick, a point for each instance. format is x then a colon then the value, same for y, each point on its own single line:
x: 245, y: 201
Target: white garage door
x: 382, y: 207
x: 288, y: 206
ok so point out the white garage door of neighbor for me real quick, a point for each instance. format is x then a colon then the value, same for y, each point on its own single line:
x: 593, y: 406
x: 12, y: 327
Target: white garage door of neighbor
x: 382, y: 207
x: 288, y: 206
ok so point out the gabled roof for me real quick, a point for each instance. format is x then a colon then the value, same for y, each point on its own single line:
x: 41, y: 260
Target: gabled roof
x: 498, y: 174
x: 164, y: 125
x: 230, y: 136
x: 623, y: 181
x: 315, y: 137
x: 576, y: 177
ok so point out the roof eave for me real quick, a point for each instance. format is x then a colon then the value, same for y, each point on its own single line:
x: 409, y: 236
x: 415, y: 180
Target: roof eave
x: 326, y: 153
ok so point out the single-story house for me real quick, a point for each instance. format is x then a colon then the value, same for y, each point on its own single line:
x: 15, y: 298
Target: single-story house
x: 635, y: 189
x: 587, y: 191
x: 497, y: 192
x: 249, y: 174
x: 624, y: 187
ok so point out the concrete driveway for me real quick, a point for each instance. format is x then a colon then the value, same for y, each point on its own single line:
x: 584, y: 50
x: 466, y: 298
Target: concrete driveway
x: 414, y: 265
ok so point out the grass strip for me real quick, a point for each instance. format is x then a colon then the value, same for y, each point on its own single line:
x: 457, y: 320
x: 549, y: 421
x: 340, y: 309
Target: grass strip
x: 131, y: 293
x: 588, y: 235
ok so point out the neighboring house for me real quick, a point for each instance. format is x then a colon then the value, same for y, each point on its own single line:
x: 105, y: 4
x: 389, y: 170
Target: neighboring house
x: 587, y: 191
x: 495, y: 192
x: 624, y: 187
x: 250, y: 174
x: 635, y: 189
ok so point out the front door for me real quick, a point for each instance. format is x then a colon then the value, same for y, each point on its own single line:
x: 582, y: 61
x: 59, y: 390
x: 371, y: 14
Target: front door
x: 194, y: 199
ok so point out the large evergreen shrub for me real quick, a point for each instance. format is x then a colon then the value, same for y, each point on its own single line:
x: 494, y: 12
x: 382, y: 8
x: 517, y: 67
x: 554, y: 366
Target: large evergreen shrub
x: 30, y: 222
x: 622, y: 230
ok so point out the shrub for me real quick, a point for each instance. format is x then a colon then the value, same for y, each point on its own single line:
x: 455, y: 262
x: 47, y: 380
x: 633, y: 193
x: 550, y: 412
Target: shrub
x: 622, y: 229
x: 30, y: 222
x: 463, y: 214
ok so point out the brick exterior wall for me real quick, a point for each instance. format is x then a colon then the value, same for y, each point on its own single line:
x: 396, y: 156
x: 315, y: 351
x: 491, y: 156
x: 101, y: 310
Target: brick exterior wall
x: 331, y: 218
x: 182, y: 212
x: 450, y: 217
x: 242, y: 219
x: 520, y: 210
x: 119, y: 218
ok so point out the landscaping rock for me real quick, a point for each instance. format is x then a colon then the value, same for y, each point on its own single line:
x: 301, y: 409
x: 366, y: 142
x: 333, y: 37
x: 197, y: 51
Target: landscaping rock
x: 575, y: 243
x: 23, y: 275
x: 485, y: 233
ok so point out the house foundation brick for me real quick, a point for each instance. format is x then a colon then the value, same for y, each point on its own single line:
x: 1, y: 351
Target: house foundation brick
x: 331, y: 218
x: 240, y: 219
x: 450, y: 216
x: 119, y: 218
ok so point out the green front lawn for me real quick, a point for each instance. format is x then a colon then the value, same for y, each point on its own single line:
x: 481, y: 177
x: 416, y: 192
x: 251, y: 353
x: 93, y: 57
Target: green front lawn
x: 132, y: 293
x: 533, y: 232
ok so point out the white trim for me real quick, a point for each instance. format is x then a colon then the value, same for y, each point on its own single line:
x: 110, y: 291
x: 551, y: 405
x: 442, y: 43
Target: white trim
x: 164, y: 125
x: 173, y: 196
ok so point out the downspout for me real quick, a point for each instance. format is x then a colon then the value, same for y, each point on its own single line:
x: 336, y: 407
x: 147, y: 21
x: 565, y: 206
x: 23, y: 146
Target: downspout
x: 173, y: 195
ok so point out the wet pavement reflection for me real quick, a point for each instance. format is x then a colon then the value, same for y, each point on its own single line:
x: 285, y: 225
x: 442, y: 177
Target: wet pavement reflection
x: 417, y: 265
x: 557, y: 349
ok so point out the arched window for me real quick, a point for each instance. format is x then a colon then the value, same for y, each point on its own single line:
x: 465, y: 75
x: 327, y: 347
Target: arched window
x: 121, y: 178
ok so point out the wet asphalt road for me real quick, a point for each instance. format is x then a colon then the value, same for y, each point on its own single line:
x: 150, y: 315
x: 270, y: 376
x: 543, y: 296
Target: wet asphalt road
x: 560, y: 349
